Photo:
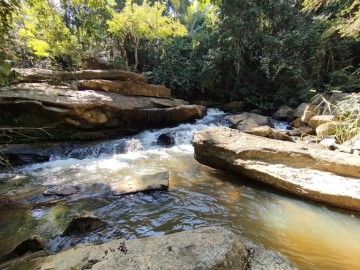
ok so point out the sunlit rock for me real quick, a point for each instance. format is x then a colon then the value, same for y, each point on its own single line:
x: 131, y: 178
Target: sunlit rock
x: 206, y: 248
x: 320, y: 175
x: 306, y: 111
x: 317, y: 120
x: 158, y: 181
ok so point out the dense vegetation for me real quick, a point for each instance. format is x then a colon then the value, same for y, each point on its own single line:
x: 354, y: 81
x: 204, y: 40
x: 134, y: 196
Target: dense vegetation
x: 264, y: 52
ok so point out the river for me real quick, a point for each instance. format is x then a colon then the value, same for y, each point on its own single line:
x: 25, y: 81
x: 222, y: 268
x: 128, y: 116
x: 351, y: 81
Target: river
x: 310, y: 235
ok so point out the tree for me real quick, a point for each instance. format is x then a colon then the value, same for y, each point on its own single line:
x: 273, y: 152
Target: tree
x: 142, y: 22
x: 343, y: 15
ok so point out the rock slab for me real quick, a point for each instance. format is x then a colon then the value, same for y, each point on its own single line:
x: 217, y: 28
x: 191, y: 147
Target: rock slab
x: 211, y: 248
x: 319, y: 175
x: 158, y: 181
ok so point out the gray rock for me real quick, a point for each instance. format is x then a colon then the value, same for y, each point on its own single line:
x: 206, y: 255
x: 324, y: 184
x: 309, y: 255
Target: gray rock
x: 306, y: 111
x: 213, y: 248
x: 268, y: 260
x: 246, y: 121
x: 284, y: 113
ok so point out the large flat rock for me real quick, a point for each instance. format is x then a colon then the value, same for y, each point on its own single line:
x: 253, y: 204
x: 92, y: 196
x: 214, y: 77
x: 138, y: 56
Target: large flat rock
x: 65, y: 96
x: 133, y: 88
x: 320, y: 175
x: 41, y: 75
x: 206, y: 248
x: 70, y: 114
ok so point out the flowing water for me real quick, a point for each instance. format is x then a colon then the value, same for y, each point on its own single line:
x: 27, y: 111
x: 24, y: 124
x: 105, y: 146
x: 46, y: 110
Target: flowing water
x: 312, y: 236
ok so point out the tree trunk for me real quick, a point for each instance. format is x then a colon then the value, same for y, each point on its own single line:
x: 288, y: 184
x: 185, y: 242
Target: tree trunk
x: 136, y: 47
x: 124, y: 53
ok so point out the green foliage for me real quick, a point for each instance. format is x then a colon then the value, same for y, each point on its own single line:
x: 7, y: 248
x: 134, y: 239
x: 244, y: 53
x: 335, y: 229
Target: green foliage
x: 344, y: 16
x: 187, y: 64
x: 143, y: 22
x: 7, y: 74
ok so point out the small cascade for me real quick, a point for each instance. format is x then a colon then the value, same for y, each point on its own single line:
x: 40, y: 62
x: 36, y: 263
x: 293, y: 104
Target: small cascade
x: 149, y: 139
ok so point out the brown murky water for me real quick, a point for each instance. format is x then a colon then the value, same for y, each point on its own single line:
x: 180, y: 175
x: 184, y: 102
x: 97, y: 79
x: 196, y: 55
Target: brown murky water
x: 312, y: 236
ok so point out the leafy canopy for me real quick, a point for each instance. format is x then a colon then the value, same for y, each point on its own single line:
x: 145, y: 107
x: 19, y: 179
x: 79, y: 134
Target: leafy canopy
x: 145, y: 21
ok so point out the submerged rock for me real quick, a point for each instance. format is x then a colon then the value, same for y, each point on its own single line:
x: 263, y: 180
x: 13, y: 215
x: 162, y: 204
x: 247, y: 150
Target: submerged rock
x: 320, y: 175
x: 24, y: 251
x: 83, y: 223
x: 158, y: 181
x: 211, y: 248
x: 33, y: 244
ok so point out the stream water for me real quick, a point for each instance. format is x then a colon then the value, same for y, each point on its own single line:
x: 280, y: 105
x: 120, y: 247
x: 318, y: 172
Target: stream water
x: 312, y: 236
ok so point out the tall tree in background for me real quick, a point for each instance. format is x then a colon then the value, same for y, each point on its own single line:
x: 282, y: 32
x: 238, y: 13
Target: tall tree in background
x: 143, y: 22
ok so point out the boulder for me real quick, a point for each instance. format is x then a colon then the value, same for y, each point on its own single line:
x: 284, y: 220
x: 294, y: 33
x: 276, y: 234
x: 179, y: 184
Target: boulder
x: 44, y: 75
x: 305, y: 111
x: 284, y: 113
x: 308, y: 173
x: 211, y: 248
x: 246, y: 121
x: 317, y: 120
x: 297, y: 123
x: 130, y: 88
x: 327, y: 129
x: 320, y: 98
x: 83, y: 223
x: 165, y: 140
x: 234, y: 106
x: 158, y: 181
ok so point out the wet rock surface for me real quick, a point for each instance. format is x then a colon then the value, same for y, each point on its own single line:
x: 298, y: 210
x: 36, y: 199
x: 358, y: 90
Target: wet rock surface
x: 158, y: 181
x: 34, y: 244
x: 83, y: 223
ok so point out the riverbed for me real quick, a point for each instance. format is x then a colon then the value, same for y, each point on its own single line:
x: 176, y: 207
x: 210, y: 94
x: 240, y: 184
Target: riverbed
x: 310, y: 235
